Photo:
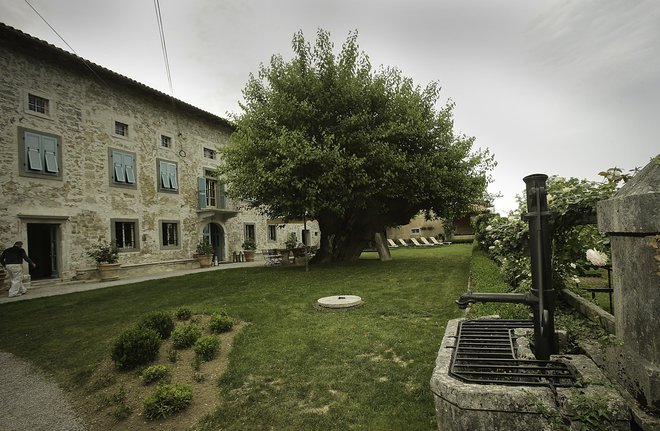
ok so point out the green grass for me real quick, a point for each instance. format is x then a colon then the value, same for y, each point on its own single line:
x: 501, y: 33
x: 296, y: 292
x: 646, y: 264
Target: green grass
x: 292, y: 367
x: 486, y: 277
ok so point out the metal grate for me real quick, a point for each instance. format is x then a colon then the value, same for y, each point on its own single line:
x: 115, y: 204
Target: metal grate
x: 486, y: 353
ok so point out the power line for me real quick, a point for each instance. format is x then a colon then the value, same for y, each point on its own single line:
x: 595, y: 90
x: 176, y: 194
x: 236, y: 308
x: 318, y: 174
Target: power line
x: 159, y: 19
x: 65, y: 42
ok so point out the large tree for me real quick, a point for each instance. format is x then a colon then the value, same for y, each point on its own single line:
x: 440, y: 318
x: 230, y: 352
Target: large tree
x: 356, y: 149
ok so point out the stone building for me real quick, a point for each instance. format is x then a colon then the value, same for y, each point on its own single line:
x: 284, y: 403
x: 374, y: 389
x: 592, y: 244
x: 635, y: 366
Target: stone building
x: 89, y: 154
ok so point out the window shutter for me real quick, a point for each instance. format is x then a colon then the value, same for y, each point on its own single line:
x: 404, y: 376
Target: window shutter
x: 33, y: 151
x: 174, y: 185
x: 164, y: 178
x: 119, y: 169
x: 222, y: 197
x: 201, y: 192
x: 128, y: 166
x: 50, y: 153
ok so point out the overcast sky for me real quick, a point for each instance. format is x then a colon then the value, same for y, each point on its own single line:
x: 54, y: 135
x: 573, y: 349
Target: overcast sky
x: 555, y: 87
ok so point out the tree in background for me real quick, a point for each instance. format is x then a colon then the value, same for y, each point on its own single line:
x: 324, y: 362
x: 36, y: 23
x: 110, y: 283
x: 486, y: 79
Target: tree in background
x: 358, y: 150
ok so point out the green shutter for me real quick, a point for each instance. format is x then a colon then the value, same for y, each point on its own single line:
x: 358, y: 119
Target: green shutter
x: 174, y: 185
x: 128, y: 166
x: 50, y: 153
x: 118, y: 167
x: 201, y: 192
x: 33, y: 152
x: 164, y: 178
x: 222, y: 197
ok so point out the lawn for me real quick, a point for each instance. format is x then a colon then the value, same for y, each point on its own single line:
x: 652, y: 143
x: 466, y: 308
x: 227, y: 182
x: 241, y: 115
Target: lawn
x: 292, y: 367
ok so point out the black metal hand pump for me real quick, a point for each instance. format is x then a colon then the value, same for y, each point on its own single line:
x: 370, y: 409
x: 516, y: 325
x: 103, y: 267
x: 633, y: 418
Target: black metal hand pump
x: 541, y: 297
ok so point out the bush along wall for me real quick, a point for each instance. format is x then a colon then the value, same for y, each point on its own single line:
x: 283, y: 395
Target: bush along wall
x: 573, y: 204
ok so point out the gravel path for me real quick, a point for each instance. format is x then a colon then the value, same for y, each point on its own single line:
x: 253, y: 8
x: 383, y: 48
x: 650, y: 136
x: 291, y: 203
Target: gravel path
x: 29, y: 402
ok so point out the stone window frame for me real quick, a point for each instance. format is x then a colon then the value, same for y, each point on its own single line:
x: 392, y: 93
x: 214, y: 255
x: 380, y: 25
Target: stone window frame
x: 52, y: 104
x: 168, y: 134
x: 23, y: 171
x: 130, y: 131
x: 415, y: 231
x: 136, y: 234
x: 161, y: 188
x: 246, y: 236
x: 111, y: 170
x: 272, y: 232
x: 161, y: 224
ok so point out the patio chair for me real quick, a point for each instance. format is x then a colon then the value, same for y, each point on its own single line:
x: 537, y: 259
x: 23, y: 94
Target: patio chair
x: 417, y: 244
x: 426, y: 242
x: 392, y: 243
x: 435, y: 241
x: 402, y: 242
x: 271, y: 257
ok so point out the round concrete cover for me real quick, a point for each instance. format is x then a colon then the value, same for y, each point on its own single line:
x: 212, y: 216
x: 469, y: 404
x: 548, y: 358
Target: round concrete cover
x: 340, y: 301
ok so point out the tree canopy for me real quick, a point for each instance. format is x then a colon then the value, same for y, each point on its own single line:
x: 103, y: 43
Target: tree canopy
x: 357, y: 149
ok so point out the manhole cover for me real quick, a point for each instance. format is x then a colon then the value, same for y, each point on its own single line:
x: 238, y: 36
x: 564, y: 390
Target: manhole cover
x: 340, y: 301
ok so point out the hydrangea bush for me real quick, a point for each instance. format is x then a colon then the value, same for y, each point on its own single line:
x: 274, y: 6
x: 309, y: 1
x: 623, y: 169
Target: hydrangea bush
x: 573, y: 205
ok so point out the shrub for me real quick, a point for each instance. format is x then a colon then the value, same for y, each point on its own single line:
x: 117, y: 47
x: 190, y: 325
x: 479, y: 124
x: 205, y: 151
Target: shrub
x: 220, y: 323
x: 160, y: 322
x: 155, y: 373
x: 185, y: 335
x: 206, y: 347
x: 167, y: 400
x: 135, y: 346
x: 183, y: 313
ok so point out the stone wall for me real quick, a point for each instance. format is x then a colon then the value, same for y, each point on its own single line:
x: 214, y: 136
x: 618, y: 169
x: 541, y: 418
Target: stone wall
x: 82, y: 200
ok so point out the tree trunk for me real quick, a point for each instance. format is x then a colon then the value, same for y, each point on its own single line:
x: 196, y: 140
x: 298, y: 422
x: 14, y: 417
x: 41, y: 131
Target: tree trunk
x: 381, y: 247
x: 342, y: 240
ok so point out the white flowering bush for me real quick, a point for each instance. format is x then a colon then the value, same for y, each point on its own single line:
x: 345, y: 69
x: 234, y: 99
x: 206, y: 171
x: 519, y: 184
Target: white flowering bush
x: 573, y: 205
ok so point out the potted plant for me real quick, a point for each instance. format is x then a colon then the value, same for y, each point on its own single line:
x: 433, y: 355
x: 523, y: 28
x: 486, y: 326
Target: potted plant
x: 204, y: 253
x: 106, y: 256
x: 291, y: 241
x: 249, y: 247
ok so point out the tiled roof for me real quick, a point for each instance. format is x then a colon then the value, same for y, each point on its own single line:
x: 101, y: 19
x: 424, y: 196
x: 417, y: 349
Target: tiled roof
x: 12, y: 37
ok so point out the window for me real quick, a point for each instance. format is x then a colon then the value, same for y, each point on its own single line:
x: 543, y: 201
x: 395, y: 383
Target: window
x: 209, y: 153
x: 121, y: 129
x: 249, y: 232
x: 39, y: 154
x: 211, y: 192
x: 165, y: 141
x: 415, y: 231
x: 169, y: 234
x: 167, y: 176
x: 125, y: 234
x: 122, y: 167
x: 38, y: 104
x: 272, y: 232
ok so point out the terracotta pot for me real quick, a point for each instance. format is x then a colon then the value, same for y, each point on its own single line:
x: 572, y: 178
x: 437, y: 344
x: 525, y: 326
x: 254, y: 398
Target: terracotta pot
x: 205, y: 260
x: 109, y: 271
x: 249, y: 255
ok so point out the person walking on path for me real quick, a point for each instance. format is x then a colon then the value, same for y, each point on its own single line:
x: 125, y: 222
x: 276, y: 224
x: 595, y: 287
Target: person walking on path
x: 12, y: 259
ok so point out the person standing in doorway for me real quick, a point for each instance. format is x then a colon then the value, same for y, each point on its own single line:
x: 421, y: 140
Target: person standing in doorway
x: 12, y: 259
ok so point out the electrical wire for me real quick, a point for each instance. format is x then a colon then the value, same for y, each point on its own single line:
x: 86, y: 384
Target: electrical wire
x: 159, y: 19
x: 65, y: 42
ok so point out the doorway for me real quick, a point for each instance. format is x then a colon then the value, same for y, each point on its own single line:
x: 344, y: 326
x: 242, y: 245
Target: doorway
x: 216, y: 237
x: 42, y: 242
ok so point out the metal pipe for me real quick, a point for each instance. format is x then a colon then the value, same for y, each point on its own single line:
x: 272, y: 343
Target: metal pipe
x: 511, y: 298
x: 541, y: 297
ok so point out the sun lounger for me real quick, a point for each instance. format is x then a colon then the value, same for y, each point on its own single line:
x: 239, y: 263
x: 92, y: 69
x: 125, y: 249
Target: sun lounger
x: 402, y: 242
x: 426, y: 242
x: 435, y: 241
x: 417, y: 244
x: 391, y: 243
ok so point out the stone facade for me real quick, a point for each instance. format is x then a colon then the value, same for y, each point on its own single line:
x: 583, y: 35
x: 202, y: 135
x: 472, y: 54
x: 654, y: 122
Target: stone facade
x: 88, y: 154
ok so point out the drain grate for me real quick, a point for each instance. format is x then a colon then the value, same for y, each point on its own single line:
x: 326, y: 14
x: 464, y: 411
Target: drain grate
x: 486, y: 353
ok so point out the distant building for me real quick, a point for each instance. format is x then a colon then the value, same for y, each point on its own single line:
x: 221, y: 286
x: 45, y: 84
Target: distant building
x: 89, y: 154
